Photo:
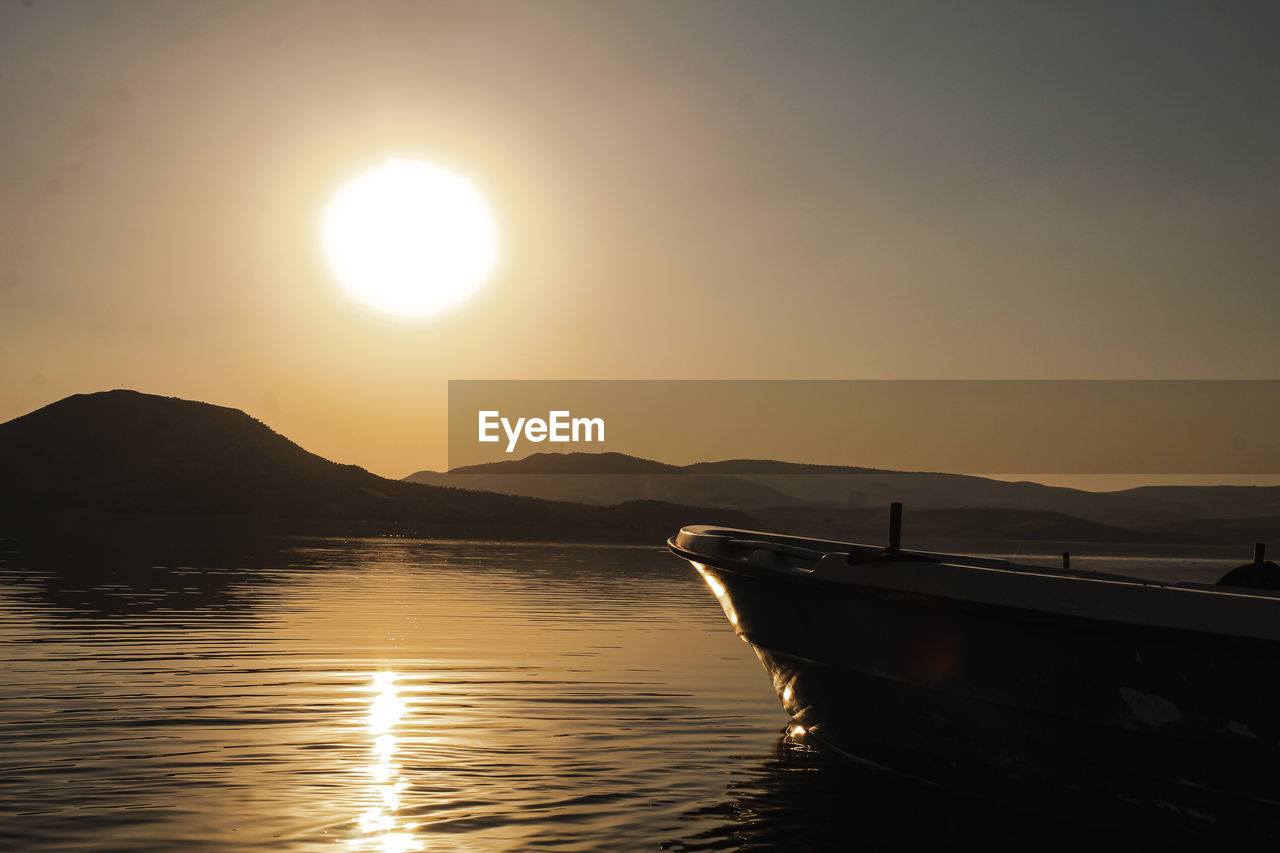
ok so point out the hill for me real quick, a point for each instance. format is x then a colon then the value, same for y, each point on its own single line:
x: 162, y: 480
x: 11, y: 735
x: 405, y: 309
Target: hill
x: 848, y: 502
x: 122, y: 455
x: 127, y: 454
x: 606, y: 489
x: 569, y: 463
x: 759, y: 484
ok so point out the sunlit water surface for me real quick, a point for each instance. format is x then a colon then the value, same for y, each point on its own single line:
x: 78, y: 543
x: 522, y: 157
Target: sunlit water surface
x: 396, y: 695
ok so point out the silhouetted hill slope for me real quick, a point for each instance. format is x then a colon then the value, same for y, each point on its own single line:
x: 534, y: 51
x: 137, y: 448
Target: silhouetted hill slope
x: 972, y: 523
x: 123, y: 449
x: 568, y: 463
x: 854, y: 486
x: 608, y: 489
x: 755, y: 485
x: 126, y: 453
x: 773, y: 466
x: 869, y: 487
x: 1236, y: 531
x: 1239, y: 502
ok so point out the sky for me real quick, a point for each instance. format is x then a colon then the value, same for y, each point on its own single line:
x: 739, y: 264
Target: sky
x: 711, y: 190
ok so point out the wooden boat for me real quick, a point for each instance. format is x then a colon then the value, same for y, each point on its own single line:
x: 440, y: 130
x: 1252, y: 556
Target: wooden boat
x: 1079, y: 689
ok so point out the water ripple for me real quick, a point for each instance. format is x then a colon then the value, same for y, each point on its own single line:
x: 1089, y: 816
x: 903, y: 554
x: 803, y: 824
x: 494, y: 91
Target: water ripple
x: 397, y: 695
x: 371, y: 694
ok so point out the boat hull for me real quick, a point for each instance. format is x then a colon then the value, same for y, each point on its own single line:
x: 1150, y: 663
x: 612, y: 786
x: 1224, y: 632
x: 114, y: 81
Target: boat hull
x: 1014, y: 702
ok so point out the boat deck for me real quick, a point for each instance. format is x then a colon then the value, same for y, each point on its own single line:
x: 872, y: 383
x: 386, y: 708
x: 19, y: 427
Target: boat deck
x: 1183, y: 605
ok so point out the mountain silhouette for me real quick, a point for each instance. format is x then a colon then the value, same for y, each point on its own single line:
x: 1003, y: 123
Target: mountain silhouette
x: 570, y: 463
x: 124, y: 453
x: 848, y: 502
x: 753, y: 484
x: 602, y: 479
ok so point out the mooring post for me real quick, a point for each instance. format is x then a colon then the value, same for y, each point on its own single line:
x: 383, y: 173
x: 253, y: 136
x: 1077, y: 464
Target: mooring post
x: 895, y: 528
x: 1259, y: 552
x: 1066, y: 559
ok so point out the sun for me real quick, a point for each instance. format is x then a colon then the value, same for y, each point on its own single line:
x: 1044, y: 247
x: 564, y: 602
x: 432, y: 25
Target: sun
x: 410, y: 238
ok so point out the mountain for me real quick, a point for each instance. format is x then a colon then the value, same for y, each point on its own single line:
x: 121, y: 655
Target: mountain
x: 117, y: 456
x: 849, y: 502
x: 569, y: 463
x: 127, y: 454
x: 755, y: 484
x: 868, y: 487
x: 975, y: 524
x: 1233, y: 502
x: 608, y: 489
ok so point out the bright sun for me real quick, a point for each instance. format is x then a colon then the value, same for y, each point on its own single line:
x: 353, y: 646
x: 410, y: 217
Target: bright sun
x: 410, y: 238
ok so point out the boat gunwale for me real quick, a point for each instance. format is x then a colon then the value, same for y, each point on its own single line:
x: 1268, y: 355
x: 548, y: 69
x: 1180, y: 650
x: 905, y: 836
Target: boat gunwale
x: 1249, y: 614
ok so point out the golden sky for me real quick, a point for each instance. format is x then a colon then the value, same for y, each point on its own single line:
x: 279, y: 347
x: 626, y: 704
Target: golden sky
x: 750, y: 190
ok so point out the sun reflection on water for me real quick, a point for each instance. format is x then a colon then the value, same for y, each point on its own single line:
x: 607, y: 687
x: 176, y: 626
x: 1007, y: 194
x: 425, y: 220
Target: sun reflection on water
x: 378, y: 823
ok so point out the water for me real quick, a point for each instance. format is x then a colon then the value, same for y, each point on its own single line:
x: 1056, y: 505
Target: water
x: 395, y: 695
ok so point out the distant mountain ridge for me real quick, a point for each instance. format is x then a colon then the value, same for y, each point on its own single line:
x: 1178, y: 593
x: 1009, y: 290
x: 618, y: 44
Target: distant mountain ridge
x: 603, y: 479
x: 779, y: 493
x: 570, y: 463
x: 125, y: 453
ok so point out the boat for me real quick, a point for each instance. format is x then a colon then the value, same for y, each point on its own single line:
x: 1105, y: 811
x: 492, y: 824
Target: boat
x: 1099, y: 693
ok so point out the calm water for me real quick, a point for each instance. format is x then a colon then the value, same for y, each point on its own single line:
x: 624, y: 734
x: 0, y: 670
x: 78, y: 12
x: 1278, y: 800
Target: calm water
x: 393, y: 695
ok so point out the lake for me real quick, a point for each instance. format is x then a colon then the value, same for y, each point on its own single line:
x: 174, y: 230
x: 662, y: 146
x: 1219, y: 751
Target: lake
x: 397, y: 695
